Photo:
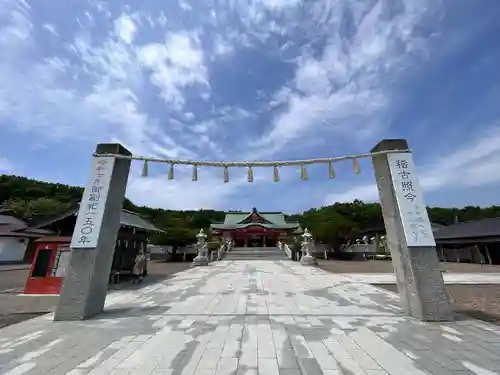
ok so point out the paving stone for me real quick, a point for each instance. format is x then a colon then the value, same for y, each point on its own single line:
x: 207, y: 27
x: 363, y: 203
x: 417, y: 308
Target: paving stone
x: 309, y: 366
x: 325, y: 360
x: 248, y: 371
x: 290, y: 372
x: 268, y: 366
x: 287, y: 359
x: 249, y: 318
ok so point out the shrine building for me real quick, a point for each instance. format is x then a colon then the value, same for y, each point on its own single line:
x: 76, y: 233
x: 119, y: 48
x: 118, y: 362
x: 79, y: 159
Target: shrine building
x: 255, y: 229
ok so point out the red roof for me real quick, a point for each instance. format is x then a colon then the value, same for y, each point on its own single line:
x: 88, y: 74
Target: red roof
x: 54, y: 239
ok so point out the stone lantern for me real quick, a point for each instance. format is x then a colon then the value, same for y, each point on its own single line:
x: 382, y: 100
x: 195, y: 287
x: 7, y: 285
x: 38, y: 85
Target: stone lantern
x: 201, y: 259
x: 307, y: 244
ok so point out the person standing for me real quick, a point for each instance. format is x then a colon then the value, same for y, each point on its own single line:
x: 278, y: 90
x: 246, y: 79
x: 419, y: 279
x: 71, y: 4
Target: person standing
x: 139, y: 267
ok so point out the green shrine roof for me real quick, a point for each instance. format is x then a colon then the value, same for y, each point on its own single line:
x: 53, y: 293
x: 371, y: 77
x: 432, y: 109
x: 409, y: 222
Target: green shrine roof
x: 240, y: 220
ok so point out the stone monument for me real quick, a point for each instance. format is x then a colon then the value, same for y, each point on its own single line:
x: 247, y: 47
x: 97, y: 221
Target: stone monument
x: 86, y: 282
x: 409, y: 234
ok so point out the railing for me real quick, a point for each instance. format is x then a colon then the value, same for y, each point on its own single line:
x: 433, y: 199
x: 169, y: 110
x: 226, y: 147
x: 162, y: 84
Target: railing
x: 227, y: 246
x: 361, y: 248
x: 288, y: 251
x: 284, y: 247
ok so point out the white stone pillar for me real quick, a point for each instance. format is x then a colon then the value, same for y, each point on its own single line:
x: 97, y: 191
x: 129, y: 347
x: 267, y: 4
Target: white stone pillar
x: 92, y: 247
x: 409, y: 235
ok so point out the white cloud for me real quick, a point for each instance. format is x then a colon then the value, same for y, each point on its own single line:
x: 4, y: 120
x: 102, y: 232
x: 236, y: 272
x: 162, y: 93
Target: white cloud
x: 312, y: 78
x: 203, y: 127
x: 15, y: 21
x: 162, y: 19
x: 125, y: 28
x: 185, y: 5
x: 348, y: 82
x: 338, y: 112
x: 181, y: 193
x: 278, y: 4
x: 222, y: 47
x: 97, y: 97
x: 176, y: 64
x: 6, y: 166
x: 51, y: 29
x: 472, y: 165
x: 367, y: 193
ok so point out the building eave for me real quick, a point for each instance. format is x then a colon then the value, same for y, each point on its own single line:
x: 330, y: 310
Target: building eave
x: 245, y: 226
x: 468, y: 240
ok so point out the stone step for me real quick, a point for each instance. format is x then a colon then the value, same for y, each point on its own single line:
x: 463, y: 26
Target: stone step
x: 260, y: 255
x: 254, y: 258
x: 249, y: 253
x: 256, y: 249
x: 254, y: 252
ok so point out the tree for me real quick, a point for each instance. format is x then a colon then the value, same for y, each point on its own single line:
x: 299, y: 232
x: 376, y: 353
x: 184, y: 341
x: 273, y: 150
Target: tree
x: 27, y: 209
x: 177, y: 237
x: 335, y: 231
x: 47, y: 206
x: 19, y: 207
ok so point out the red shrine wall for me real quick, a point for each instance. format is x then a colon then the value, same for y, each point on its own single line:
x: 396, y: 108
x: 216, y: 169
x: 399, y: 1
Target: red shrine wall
x: 253, y: 236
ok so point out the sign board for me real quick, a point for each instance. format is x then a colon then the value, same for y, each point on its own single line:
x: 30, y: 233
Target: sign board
x: 91, y: 212
x: 416, y: 225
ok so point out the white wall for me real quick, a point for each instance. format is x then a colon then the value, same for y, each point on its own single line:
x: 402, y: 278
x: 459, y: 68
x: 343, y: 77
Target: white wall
x: 154, y: 249
x: 12, y: 249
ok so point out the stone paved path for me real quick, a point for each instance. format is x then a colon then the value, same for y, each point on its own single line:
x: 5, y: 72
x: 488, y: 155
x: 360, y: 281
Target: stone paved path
x: 252, y: 317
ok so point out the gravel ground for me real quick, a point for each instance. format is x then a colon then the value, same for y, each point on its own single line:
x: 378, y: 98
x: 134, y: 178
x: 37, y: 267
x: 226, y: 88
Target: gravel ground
x: 15, y: 308
x: 477, y: 301
x: 385, y: 266
x: 13, y: 280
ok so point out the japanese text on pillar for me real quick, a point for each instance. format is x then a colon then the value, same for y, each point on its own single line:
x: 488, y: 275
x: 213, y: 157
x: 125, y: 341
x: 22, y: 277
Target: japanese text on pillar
x: 416, y: 225
x: 92, y: 205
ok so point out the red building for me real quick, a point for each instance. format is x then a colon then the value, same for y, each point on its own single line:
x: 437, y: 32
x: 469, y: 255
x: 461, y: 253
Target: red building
x: 47, y: 271
x: 255, y: 229
x: 53, y: 253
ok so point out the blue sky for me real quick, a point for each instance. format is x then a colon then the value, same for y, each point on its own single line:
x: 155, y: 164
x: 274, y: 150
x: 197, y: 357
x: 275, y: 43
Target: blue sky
x: 254, y: 80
